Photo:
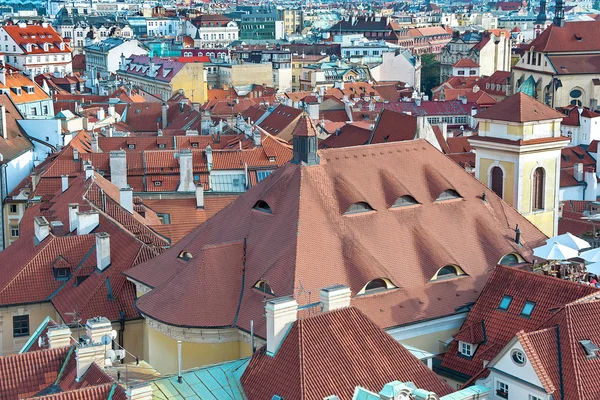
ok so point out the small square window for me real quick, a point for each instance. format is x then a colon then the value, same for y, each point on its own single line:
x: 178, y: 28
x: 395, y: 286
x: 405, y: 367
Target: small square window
x: 13, y: 208
x: 466, y: 349
x: 14, y: 231
x: 505, y: 303
x: 532, y: 397
x: 20, y: 325
x: 528, y: 308
x: 502, y: 390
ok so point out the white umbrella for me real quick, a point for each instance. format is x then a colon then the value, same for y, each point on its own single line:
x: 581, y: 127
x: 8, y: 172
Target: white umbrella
x: 570, y: 240
x: 593, y: 268
x: 555, y: 251
x: 591, y: 256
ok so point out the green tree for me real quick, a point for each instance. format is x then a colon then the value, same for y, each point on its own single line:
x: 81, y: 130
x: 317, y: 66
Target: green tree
x: 430, y: 73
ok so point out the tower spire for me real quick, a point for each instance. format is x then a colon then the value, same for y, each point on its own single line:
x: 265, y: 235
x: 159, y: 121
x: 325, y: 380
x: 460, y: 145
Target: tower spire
x: 559, y: 14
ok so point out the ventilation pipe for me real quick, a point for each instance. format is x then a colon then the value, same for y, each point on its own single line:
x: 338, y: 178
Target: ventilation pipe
x: 179, y: 356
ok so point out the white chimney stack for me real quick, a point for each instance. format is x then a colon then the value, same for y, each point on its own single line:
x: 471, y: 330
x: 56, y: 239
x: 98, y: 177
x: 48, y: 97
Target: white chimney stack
x: 102, y: 250
x: 118, y: 168
x: 73, y: 210
x: 186, y: 173
x: 94, y: 142
x: 86, y: 355
x: 209, y: 158
x: 199, y: 196
x: 256, y: 137
x: 281, y: 313
x: 591, y: 190
x: 100, y: 114
x: 96, y: 328
x: 59, y: 336
x: 126, y: 199
x: 87, y: 221
x: 578, y: 172
x: 89, y: 171
x: 164, y: 115
x: 334, y: 297
x: 3, y: 129
x: 41, y: 229
x: 140, y: 392
x: 64, y: 182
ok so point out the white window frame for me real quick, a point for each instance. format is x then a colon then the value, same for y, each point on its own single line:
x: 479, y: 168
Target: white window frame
x: 466, y: 349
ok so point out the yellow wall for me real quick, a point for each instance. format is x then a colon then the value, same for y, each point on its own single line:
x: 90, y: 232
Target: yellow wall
x: 132, y: 337
x: 509, y: 181
x: 251, y: 74
x: 544, y: 220
x: 37, y: 314
x: 161, y: 352
x: 191, y: 80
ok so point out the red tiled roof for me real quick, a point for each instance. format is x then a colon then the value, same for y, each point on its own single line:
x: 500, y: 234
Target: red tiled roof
x: 575, y: 36
x: 465, y: 63
x: 548, y: 293
x: 394, y: 126
x: 281, y: 121
x: 377, y: 174
x: 36, y: 35
x: 519, y: 108
x: 347, y: 135
x: 332, y: 353
x: 17, y: 143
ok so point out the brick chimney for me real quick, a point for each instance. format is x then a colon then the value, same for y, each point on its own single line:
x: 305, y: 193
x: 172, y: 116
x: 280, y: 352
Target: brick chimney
x: 334, y: 297
x: 102, y: 250
x: 59, y: 336
x: 186, y: 173
x: 41, y: 229
x: 281, y: 314
x: 118, y: 168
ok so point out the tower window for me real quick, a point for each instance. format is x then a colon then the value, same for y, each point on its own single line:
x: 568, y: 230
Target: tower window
x: 538, y: 189
x: 497, y: 184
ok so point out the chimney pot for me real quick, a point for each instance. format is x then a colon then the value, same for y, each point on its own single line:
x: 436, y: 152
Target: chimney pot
x: 281, y: 314
x: 102, y: 250
x: 334, y: 297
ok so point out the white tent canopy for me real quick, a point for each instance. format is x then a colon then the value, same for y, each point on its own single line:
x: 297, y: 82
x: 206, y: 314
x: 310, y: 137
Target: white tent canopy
x: 570, y: 240
x: 555, y: 251
x: 593, y: 268
x: 591, y: 256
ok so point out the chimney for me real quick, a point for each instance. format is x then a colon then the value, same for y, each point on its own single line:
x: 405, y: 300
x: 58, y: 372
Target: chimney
x: 64, y: 182
x: 100, y: 114
x: 94, y: 143
x: 87, y: 221
x: 578, y: 172
x: 2, y: 70
x: 141, y: 391
x: 73, y: 210
x: 102, y: 250
x: 257, y: 138
x: 89, y: 171
x: 118, y: 168
x: 3, y: 129
x: 58, y: 229
x: 591, y: 188
x: 334, y: 297
x: 209, y: 158
x: 418, y: 102
x: 75, y: 154
x: 281, y: 313
x: 165, y: 108
x: 96, y: 328
x: 59, y: 336
x: 41, y: 229
x: 186, y: 173
x: 199, y: 196
x: 111, y: 110
x: 126, y: 199
x: 313, y: 111
x: 93, y: 351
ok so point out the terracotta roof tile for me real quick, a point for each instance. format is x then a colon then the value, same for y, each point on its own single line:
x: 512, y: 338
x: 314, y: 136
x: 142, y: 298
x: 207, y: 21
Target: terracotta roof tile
x: 519, y: 108
x: 574, y: 36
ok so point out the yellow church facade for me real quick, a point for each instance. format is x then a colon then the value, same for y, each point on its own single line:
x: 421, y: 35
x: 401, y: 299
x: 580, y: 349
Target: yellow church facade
x: 518, y: 153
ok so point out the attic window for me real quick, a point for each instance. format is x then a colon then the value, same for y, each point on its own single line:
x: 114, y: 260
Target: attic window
x: 131, y: 146
x: 359, y: 207
x: 185, y: 256
x: 264, y: 287
x: 404, y: 201
x: 448, y: 272
x: 590, y: 348
x: 448, y: 195
x: 510, y: 259
x: 505, y: 302
x: 157, y: 183
x: 376, y: 286
x: 262, y: 205
x: 527, y: 309
x: 161, y: 145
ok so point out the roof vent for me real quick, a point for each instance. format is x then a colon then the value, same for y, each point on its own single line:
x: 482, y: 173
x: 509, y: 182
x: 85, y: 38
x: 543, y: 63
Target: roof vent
x: 590, y: 348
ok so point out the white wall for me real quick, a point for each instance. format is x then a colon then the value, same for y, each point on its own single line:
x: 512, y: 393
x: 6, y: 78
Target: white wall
x: 48, y: 130
x: 18, y: 169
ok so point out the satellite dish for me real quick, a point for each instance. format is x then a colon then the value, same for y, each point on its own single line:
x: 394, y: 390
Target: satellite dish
x: 108, y: 362
x: 106, y: 340
x: 111, y: 354
x: 120, y: 354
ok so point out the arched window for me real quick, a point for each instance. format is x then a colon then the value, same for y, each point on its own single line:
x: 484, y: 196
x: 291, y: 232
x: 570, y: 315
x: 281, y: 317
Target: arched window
x: 262, y: 206
x: 264, y: 287
x: 447, y: 272
x: 359, y: 207
x: 537, y: 189
x: 185, y: 256
x: 448, y: 195
x: 510, y: 259
x: 377, y: 285
x: 497, y: 183
x: 404, y: 201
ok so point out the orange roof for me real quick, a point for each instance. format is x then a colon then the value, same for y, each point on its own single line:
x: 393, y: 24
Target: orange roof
x: 520, y: 108
x: 37, y: 36
x: 15, y: 79
x: 465, y: 63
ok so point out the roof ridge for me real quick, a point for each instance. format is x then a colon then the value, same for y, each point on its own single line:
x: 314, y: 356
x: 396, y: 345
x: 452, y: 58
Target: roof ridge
x: 523, y: 338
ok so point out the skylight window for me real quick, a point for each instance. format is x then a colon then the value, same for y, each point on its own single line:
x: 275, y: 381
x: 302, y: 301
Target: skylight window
x: 185, y: 256
x: 590, y: 348
x: 528, y: 308
x: 448, y: 195
x: 262, y: 205
x: 505, y: 302
x: 359, y: 207
x: 404, y: 201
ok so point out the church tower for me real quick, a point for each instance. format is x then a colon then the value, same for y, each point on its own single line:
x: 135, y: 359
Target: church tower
x: 518, y: 153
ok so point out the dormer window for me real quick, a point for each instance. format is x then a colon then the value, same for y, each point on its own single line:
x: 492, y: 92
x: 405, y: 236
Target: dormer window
x: 376, y: 286
x: 510, y: 259
x: 185, y: 256
x: 590, y: 348
x: 448, y: 195
x: 448, y: 272
x: 404, y: 201
x: 359, y: 207
x: 466, y: 349
x: 262, y: 206
x: 263, y: 287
